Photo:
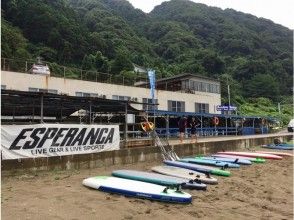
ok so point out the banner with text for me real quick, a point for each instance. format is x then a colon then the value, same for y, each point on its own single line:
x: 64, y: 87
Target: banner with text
x: 151, y: 75
x: 47, y: 140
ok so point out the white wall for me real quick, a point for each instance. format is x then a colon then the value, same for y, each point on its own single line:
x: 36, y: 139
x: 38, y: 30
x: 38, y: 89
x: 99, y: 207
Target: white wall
x: 22, y: 81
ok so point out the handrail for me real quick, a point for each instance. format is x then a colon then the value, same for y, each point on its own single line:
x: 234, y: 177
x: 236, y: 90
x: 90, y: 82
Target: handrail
x: 23, y: 66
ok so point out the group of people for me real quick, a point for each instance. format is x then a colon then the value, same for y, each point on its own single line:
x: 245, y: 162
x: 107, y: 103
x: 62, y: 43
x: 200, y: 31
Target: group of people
x: 184, y: 123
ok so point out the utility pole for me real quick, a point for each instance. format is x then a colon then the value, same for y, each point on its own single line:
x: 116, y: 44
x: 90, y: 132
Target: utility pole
x: 229, y: 95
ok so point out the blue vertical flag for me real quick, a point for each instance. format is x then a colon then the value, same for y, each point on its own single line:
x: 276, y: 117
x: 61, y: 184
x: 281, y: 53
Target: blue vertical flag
x: 151, y: 75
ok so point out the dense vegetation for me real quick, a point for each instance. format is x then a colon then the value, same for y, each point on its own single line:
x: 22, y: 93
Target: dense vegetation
x: 253, y: 55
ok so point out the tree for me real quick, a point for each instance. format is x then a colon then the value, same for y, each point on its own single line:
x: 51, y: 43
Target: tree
x: 121, y: 62
x: 213, y: 64
x: 262, y: 86
x: 95, y: 62
x: 13, y: 44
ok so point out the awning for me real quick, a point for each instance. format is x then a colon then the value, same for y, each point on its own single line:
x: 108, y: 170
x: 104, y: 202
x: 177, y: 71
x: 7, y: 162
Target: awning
x: 21, y: 103
x: 172, y: 113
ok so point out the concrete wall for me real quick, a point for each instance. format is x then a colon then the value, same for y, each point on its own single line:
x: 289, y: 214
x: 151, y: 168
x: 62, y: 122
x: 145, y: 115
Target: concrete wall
x: 130, y: 155
x: 22, y: 81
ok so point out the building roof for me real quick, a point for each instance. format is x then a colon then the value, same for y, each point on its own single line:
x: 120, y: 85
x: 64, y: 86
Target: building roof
x: 184, y: 75
x: 140, y: 68
x: 21, y: 103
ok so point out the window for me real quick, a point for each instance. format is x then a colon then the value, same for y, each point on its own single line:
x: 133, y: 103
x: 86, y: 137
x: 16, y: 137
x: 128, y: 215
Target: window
x: 217, y: 89
x: 3, y: 86
x: 86, y: 94
x: 201, y: 86
x: 150, y: 107
x: 33, y: 89
x: 54, y: 91
x: 80, y: 94
x: 176, y: 106
x: 205, y: 87
x: 93, y: 94
x: 121, y: 98
x: 196, y: 86
x: 210, y: 87
x: 185, y: 85
x: 43, y: 90
x: 201, y: 107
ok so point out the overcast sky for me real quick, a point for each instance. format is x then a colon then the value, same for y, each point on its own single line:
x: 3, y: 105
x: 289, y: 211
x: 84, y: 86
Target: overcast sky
x: 279, y: 11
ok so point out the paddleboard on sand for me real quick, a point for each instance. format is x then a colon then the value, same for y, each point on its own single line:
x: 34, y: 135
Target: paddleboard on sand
x: 197, y: 167
x: 278, y: 146
x: 138, y: 189
x: 158, y: 179
x: 252, y: 154
x: 276, y: 153
x: 184, y: 173
x: 209, y: 162
x: 228, y: 160
x: 252, y: 159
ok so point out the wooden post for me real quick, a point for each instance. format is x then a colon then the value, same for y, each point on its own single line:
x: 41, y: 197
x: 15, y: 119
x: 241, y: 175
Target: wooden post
x: 201, y: 126
x: 33, y: 111
x: 167, y: 127
x: 226, y: 126
x: 13, y: 113
x: 42, y: 108
x: 90, y: 113
x: 126, y: 125
x: 61, y: 111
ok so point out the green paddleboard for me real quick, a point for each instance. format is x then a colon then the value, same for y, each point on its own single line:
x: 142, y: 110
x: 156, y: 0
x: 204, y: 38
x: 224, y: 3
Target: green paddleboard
x: 220, y: 172
x: 258, y: 160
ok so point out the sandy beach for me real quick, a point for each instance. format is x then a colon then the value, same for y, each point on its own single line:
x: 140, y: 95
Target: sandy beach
x: 260, y: 191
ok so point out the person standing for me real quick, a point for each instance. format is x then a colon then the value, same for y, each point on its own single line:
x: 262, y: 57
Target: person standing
x: 193, y: 125
x: 182, y: 127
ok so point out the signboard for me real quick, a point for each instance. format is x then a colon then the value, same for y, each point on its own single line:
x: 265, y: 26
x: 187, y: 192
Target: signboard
x: 226, y: 108
x: 46, y: 140
x: 151, y: 75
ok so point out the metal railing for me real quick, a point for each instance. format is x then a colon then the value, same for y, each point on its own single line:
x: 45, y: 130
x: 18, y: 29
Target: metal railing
x: 23, y: 66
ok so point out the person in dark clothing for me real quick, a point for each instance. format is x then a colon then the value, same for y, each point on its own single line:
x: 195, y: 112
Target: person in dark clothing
x: 193, y: 125
x: 182, y: 127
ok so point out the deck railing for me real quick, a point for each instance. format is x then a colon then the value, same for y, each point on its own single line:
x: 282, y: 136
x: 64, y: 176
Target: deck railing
x: 23, y: 66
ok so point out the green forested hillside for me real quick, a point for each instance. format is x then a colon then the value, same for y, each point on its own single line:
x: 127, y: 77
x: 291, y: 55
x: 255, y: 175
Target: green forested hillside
x: 253, y: 55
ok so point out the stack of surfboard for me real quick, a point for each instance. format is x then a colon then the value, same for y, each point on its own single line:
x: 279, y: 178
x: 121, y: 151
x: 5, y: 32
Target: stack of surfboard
x: 167, y: 181
x: 252, y: 155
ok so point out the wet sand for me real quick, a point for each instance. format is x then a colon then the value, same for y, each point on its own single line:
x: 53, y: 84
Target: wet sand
x: 259, y: 191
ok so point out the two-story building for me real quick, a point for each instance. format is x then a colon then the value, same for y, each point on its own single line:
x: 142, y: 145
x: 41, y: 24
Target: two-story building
x: 180, y: 93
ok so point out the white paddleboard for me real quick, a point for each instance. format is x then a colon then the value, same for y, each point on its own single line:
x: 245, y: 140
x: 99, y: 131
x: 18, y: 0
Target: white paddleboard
x: 184, y: 173
x: 138, y: 189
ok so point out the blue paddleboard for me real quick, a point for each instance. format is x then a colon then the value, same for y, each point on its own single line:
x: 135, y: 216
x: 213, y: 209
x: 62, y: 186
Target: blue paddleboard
x: 279, y: 146
x: 210, y: 162
x: 229, y: 160
x: 197, y: 167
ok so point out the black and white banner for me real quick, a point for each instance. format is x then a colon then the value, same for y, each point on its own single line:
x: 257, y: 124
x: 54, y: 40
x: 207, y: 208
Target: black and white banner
x: 46, y: 140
